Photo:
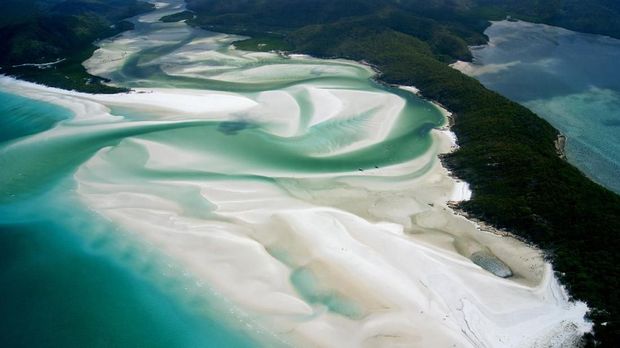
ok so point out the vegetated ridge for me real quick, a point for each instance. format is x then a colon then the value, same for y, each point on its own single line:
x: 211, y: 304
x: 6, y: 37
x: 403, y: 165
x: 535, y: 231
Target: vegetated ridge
x: 61, y: 32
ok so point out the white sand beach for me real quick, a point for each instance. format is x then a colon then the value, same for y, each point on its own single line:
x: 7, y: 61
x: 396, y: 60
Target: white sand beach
x: 259, y: 194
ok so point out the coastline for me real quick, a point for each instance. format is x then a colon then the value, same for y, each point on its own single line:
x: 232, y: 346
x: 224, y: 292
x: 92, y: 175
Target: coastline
x: 468, y: 69
x: 391, y: 229
x: 504, y: 123
x: 466, y: 194
x: 422, y: 244
x: 177, y: 254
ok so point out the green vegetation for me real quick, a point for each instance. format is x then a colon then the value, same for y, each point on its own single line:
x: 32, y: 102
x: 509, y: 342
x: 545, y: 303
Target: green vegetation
x: 589, y: 16
x: 68, y: 74
x: 177, y: 17
x: 264, y: 43
x: 507, y: 153
x: 34, y: 32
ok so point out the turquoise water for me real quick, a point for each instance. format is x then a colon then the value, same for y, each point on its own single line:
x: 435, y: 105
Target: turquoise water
x: 73, y: 277
x: 66, y: 280
x: 310, y: 288
x: 233, y: 201
x: 22, y: 116
x: 570, y: 79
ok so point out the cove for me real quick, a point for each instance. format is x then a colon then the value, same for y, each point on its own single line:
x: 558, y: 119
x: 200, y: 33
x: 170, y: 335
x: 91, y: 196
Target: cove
x: 570, y: 79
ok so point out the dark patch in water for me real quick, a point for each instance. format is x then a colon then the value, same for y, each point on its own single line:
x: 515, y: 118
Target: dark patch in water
x: 425, y: 129
x: 233, y: 127
x: 611, y: 122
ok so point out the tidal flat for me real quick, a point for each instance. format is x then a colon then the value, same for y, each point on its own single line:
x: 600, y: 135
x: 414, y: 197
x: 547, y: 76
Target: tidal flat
x: 278, y: 200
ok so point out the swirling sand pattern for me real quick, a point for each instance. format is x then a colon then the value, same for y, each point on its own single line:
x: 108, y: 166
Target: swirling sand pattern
x: 306, y: 195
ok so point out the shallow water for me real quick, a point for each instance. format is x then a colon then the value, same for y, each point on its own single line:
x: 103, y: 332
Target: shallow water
x: 72, y: 279
x: 242, y: 199
x: 67, y: 279
x: 21, y: 116
x: 570, y: 79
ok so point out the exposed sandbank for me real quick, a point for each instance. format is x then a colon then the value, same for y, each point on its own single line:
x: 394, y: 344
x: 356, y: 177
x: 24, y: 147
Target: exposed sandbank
x: 340, y: 258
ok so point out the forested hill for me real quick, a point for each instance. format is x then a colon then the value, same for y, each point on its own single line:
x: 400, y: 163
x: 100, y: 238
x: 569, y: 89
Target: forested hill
x: 42, y: 31
x: 507, y: 153
x: 591, y: 16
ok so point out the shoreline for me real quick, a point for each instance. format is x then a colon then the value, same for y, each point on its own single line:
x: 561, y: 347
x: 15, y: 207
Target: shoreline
x: 454, y: 204
x: 297, y: 219
x: 424, y: 244
x: 511, y: 127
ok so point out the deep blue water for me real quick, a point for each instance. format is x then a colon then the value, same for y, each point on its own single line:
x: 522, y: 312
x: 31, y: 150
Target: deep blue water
x: 570, y: 79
